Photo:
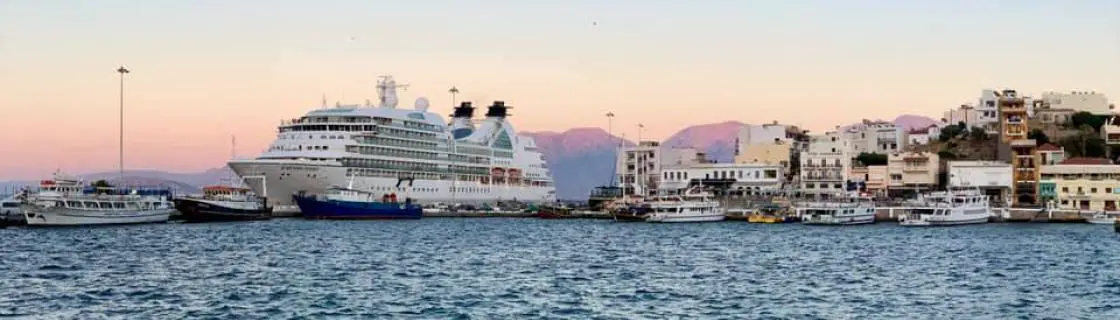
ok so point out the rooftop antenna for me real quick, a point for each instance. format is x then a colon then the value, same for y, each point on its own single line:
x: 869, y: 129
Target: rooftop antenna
x: 387, y: 91
x: 324, y: 105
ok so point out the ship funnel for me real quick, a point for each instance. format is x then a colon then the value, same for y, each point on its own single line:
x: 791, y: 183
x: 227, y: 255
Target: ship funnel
x: 464, y: 110
x: 498, y: 110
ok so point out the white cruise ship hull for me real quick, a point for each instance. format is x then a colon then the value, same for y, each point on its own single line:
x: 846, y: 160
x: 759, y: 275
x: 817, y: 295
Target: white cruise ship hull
x: 72, y: 217
x: 278, y: 180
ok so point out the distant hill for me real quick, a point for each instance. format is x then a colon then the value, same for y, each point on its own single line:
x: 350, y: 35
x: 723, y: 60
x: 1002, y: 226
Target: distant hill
x: 179, y: 182
x: 716, y: 139
x: 579, y: 159
x: 909, y: 121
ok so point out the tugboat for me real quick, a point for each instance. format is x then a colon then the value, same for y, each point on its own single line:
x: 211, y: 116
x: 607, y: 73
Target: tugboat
x: 350, y: 203
x: 223, y: 203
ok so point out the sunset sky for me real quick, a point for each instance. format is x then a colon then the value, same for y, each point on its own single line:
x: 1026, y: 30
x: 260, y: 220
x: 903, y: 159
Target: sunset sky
x: 203, y: 71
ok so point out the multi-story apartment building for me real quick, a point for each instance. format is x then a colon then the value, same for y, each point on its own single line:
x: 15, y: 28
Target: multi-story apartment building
x: 874, y: 137
x: 1017, y: 149
x: 991, y: 177
x: 1078, y: 101
x: 824, y: 166
x: 639, y: 167
x: 912, y: 172
x: 1081, y: 184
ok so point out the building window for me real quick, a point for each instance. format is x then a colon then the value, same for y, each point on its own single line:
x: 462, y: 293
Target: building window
x: 1065, y: 190
x: 1093, y: 190
x: 1107, y: 190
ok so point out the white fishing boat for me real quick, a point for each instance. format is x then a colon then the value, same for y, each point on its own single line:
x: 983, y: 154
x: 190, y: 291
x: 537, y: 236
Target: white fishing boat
x: 1103, y: 218
x: 837, y: 213
x: 692, y: 206
x: 945, y: 208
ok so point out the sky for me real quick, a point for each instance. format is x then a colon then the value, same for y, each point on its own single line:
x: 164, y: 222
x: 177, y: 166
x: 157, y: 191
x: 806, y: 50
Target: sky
x: 204, y: 71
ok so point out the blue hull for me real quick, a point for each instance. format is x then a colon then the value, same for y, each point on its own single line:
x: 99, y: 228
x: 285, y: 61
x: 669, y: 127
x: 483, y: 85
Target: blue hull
x: 313, y: 208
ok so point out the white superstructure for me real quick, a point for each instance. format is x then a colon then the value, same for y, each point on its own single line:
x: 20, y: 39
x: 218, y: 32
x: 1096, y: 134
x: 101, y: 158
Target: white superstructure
x: 837, y: 213
x: 692, y: 206
x: 464, y: 161
x: 952, y: 207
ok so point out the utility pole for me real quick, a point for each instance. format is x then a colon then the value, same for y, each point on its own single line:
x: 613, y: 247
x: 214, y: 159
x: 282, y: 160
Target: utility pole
x: 122, y: 71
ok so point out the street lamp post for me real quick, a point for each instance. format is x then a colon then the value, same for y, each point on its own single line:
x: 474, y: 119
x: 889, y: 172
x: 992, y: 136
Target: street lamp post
x: 122, y: 71
x: 454, y: 92
x: 610, y: 136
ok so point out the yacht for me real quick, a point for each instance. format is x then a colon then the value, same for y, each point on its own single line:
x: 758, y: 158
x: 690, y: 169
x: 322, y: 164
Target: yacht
x: 837, y: 213
x: 953, y: 207
x: 693, y: 205
x: 10, y: 212
x: 465, y: 161
x: 1104, y: 218
x: 65, y: 202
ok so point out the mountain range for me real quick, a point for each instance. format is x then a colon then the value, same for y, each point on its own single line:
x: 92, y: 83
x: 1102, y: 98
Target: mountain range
x: 579, y: 158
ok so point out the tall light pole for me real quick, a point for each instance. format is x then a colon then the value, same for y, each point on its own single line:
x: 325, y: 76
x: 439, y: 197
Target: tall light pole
x: 454, y: 92
x: 122, y: 71
x: 641, y: 164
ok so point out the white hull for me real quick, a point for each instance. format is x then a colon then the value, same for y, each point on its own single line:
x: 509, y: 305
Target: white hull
x: 1102, y: 220
x: 840, y: 220
x: 957, y: 216
x: 71, y: 217
x: 670, y: 218
x: 278, y: 180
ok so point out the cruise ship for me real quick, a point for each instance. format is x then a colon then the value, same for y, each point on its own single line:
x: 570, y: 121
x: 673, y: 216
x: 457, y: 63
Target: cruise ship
x: 465, y: 160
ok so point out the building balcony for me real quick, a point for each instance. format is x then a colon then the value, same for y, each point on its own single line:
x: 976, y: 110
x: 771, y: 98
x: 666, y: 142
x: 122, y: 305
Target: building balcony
x: 915, y: 169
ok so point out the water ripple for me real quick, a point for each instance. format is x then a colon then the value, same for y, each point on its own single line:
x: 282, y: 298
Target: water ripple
x: 525, y: 268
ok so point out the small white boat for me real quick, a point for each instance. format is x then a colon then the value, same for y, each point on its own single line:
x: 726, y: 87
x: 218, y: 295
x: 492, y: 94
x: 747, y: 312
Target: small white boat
x: 692, y: 206
x: 1103, y: 218
x: 948, y: 208
x: 837, y: 213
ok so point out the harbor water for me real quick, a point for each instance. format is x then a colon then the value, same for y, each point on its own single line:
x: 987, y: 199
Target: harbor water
x: 528, y: 268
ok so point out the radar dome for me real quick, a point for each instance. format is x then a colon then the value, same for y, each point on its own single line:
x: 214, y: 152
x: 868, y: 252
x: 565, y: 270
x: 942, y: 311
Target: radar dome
x: 422, y: 104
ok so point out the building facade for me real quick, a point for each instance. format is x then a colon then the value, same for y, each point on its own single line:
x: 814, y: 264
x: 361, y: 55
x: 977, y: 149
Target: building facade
x: 874, y: 137
x: 1078, y: 101
x: 639, y: 167
x: 991, y: 177
x: 1110, y: 131
x: 824, y: 166
x: 967, y: 114
x: 878, y: 178
x: 741, y: 179
x: 1051, y: 154
x: 910, y: 172
x: 1092, y: 187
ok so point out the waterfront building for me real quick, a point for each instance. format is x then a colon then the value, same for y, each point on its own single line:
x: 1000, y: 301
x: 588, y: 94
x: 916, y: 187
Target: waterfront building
x: 737, y: 179
x: 777, y: 152
x: 824, y: 166
x: 911, y: 172
x: 1078, y: 101
x: 877, y: 180
x: 1081, y: 184
x: 766, y: 133
x: 991, y: 177
x: 1017, y: 149
x: 639, y: 167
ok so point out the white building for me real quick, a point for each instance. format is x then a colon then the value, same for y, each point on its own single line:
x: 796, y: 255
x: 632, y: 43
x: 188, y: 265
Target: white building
x: 875, y: 137
x: 764, y: 134
x: 923, y: 136
x: 987, y: 109
x: 738, y: 178
x: 992, y: 177
x: 639, y: 167
x: 1091, y: 102
x: 825, y: 165
x: 967, y: 114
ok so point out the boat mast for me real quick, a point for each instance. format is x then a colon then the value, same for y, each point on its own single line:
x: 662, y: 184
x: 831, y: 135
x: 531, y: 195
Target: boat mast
x: 610, y: 136
x: 120, y: 156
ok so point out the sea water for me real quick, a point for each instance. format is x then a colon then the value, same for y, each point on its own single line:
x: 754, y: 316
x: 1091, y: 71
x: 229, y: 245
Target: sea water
x: 573, y: 269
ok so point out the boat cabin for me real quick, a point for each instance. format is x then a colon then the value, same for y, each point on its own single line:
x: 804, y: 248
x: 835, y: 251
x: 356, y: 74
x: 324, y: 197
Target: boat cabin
x: 227, y: 193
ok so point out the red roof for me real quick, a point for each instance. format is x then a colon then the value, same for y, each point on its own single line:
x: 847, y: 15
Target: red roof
x: 1049, y: 147
x: 1084, y: 160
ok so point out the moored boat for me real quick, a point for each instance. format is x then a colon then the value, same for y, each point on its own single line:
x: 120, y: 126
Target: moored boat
x: 632, y: 213
x: 692, y: 206
x: 107, y: 206
x: 953, y: 207
x: 554, y: 211
x: 1103, y: 218
x: 837, y: 213
x: 223, y: 203
x: 340, y: 203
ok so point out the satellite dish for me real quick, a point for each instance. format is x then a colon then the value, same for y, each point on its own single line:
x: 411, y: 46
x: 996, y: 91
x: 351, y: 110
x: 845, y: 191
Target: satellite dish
x: 422, y: 104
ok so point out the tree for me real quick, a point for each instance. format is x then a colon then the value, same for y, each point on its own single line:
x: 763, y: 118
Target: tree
x: 977, y: 134
x: 1086, y: 143
x: 872, y: 159
x: 1038, y: 136
x: 102, y: 184
x: 951, y: 131
x: 1084, y: 118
